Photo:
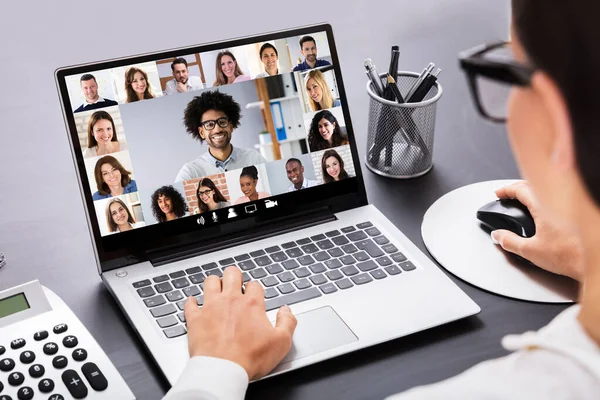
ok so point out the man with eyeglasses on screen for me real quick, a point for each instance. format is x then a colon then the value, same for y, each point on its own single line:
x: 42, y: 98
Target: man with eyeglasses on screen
x: 212, y: 117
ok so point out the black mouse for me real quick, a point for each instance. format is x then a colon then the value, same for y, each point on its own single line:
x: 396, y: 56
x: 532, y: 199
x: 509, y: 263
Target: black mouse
x: 509, y: 214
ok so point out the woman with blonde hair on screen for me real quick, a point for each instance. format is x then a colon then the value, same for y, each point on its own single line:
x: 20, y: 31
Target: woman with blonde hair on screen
x: 137, y: 86
x: 227, y: 70
x: 102, y: 136
x: 317, y: 89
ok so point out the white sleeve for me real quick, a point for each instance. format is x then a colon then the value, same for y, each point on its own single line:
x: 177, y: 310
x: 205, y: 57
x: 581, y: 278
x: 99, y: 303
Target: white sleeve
x: 170, y: 88
x: 208, y: 378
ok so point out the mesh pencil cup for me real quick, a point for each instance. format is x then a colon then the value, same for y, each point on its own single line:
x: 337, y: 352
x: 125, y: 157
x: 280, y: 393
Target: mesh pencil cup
x: 400, y: 136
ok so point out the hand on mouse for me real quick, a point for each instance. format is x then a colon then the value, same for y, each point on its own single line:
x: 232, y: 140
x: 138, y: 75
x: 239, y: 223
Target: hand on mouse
x: 554, y: 248
x: 234, y: 326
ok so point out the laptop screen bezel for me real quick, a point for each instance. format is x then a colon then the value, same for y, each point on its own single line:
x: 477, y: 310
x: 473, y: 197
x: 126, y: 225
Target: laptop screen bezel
x: 136, y: 244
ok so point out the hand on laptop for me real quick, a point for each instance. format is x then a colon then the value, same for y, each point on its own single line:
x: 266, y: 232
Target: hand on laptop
x: 235, y: 327
x: 554, y: 247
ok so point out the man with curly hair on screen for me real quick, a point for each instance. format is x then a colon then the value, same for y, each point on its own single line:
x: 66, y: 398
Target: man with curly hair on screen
x: 212, y: 117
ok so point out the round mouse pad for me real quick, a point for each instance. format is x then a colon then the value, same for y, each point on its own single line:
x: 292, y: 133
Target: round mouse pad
x: 454, y: 237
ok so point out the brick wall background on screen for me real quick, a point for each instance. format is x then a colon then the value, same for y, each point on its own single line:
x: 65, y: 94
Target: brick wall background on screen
x: 191, y: 186
x: 343, y: 151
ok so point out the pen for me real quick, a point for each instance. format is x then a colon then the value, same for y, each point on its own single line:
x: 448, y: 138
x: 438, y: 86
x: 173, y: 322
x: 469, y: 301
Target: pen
x: 374, y: 77
x: 393, y: 71
x: 425, y: 87
x: 420, y: 79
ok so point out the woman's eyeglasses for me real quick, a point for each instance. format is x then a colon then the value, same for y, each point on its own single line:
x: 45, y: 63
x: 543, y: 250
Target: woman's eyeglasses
x: 491, y: 72
x: 209, y: 125
x: 205, y: 192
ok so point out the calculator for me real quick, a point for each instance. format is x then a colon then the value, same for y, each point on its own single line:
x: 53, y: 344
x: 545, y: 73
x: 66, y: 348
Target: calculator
x: 47, y: 353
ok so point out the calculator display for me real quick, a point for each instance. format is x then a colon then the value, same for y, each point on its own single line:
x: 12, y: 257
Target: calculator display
x: 13, y: 304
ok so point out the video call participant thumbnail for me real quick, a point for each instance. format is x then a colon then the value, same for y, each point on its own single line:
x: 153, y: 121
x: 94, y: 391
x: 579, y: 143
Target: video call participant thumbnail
x: 168, y: 204
x: 209, y: 197
x: 181, y: 81
x: 295, y: 173
x: 332, y: 167
x: 119, y: 218
x: 269, y: 57
x: 102, y: 136
x: 137, y: 86
x: 325, y: 132
x: 212, y: 117
x: 227, y: 70
x: 248, y: 182
x: 318, y: 91
x: 112, y: 179
x: 93, y: 101
x: 308, y: 48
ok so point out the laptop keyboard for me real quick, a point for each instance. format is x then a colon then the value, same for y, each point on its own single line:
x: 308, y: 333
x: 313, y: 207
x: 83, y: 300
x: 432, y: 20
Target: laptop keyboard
x: 290, y: 272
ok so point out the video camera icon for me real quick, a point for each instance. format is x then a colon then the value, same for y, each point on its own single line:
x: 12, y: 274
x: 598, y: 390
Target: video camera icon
x: 271, y: 203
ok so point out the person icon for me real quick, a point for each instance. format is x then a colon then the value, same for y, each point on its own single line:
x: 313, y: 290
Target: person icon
x: 232, y: 213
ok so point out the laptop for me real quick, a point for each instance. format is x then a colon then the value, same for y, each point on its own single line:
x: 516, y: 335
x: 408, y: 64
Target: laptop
x: 242, y: 154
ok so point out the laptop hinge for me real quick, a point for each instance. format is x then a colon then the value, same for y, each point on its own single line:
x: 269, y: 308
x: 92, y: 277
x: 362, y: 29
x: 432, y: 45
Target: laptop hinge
x: 259, y: 231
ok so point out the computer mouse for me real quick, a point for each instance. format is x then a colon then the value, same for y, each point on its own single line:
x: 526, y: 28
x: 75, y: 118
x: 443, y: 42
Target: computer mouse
x: 509, y: 214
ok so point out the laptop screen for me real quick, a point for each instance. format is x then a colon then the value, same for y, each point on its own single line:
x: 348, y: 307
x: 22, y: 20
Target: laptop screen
x: 183, y: 143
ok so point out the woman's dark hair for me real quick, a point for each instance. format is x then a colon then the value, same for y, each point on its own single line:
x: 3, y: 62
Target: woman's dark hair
x: 217, y: 196
x: 112, y: 226
x: 326, y: 177
x: 210, y: 100
x: 221, y: 78
x: 250, y: 172
x: 177, y: 202
x: 560, y: 38
x: 267, y: 46
x: 103, y: 188
x: 131, y: 94
x: 316, y: 141
x: 98, y: 116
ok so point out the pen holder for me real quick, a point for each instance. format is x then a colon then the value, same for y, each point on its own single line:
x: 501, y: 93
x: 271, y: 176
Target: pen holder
x: 400, y: 136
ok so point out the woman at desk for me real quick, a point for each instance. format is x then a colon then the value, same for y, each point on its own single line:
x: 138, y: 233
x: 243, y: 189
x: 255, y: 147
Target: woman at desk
x: 137, y: 86
x: 332, y: 167
x: 248, y: 182
x: 102, y: 136
x: 209, y: 197
x: 119, y: 218
x: 319, y: 94
x: 112, y: 179
x: 227, y: 70
x: 325, y: 132
x: 269, y: 57
x: 168, y: 204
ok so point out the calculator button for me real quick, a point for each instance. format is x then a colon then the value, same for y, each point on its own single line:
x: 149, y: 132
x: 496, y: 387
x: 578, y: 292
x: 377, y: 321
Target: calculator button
x: 79, y: 354
x: 25, y: 393
x: 50, y: 348
x: 16, y: 379
x: 17, y: 343
x: 5, y: 397
x: 27, y: 357
x: 59, y: 362
x: 56, y: 397
x: 46, y: 385
x: 36, y: 371
x: 60, y: 328
x: 70, y: 341
x: 94, y: 376
x: 2, y: 350
x: 1, y: 387
x: 41, y: 335
x: 73, y: 382
x: 7, y: 365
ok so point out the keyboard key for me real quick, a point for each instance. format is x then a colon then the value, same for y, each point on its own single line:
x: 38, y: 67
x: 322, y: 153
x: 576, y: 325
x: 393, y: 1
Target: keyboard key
x: 60, y: 362
x: 304, y: 241
x: 74, y: 384
x: 242, y: 257
x: 209, y: 266
x: 340, y: 240
x: 288, y: 245
x: 389, y: 248
x: 316, y: 238
x: 335, y: 252
x: 80, y: 354
x: 310, y: 248
x: 318, y: 279
x: 272, y: 249
x: 279, y: 256
x: 95, y: 377
x: 193, y: 270
x: 332, y: 264
x: 157, y: 300
x: 328, y: 288
x: 290, y: 264
x: 181, y: 304
x: 322, y: 256
x: 181, y: 317
x: 334, y: 275
x: 146, y: 292
x: 372, y: 231
x: 393, y: 270
x: 70, y: 341
x: 344, y: 284
x: 162, y: 310
x: 347, y: 260
x: 302, y: 284
x: 167, y: 321
x: 141, y: 284
x: 181, y: 283
x: 398, y: 257
x: 407, y: 266
x: 41, y: 335
x: 160, y: 278
x: 191, y: 291
x: 263, y: 261
x: 270, y: 293
x: 362, y: 256
x: 50, y: 348
x: 295, y: 252
x: 174, y: 296
x: 302, y: 272
x: 364, y: 225
x: 384, y: 261
x: 257, y: 253
x: 36, y: 371
x: 163, y: 287
x: 381, y: 240
x: 350, y: 270
x: 25, y: 393
x: 16, y: 379
x: 27, y: 357
x: 296, y: 297
x: 367, y: 266
x: 227, y: 262
x: 325, y: 244
x: 246, y: 265
x: 269, y: 281
x: 274, y: 269
x: 362, y: 279
x: 286, y: 288
x: 356, y: 236
x: 216, y: 272
x: 197, y: 278
x: 7, y: 365
x: 349, y: 248
x: 286, y: 276
x: 370, y: 247
x: 174, y: 331
x: 317, y: 268
x: 258, y: 273
x: 246, y: 277
x: 332, y: 233
x: 46, y: 385
x: 348, y: 229
x: 306, y: 260
x: 177, y: 274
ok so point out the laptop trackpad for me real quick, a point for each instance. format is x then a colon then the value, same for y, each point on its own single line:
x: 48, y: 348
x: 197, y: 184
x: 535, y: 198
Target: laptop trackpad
x: 318, y: 330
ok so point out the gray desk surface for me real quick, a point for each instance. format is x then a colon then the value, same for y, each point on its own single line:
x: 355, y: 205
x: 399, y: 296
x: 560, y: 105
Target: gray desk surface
x: 42, y: 228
